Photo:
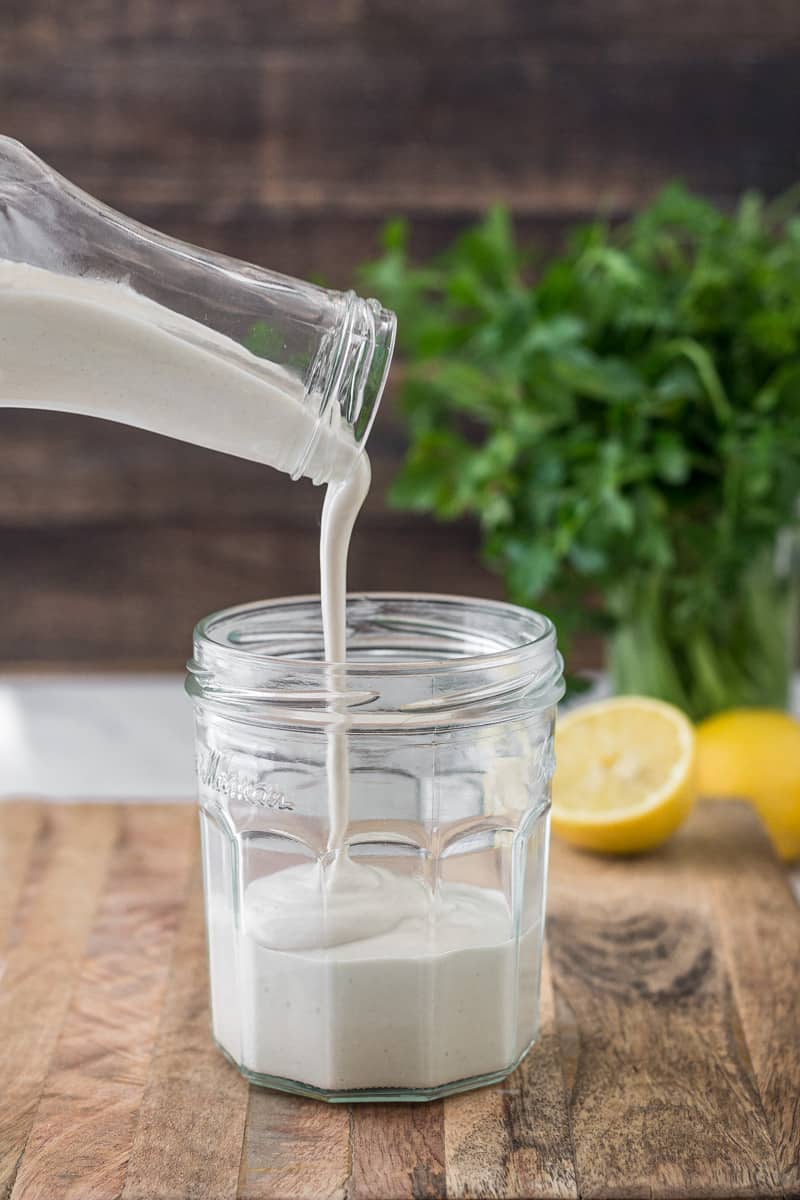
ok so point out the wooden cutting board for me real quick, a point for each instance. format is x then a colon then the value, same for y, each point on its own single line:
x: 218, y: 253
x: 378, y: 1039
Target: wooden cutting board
x: 668, y: 1065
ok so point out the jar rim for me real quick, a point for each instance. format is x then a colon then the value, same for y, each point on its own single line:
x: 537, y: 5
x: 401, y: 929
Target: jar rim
x: 515, y: 668
x: 545, y: 634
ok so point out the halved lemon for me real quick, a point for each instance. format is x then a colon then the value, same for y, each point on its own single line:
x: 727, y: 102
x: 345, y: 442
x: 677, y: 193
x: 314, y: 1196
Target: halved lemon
x: 624, y: 774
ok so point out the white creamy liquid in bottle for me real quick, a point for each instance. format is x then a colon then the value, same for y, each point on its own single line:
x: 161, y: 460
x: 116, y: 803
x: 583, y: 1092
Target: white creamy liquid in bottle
x: 342, y: 978
x: 82, y: 345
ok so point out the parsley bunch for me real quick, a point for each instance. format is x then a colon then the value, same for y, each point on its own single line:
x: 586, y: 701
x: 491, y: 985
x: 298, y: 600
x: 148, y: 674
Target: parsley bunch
x: 626, y: 429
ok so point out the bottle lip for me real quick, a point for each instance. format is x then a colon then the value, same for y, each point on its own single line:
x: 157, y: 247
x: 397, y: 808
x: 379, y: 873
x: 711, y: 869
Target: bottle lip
x: 368, y: 338
x: 348, y: 377
x: 417, y: 661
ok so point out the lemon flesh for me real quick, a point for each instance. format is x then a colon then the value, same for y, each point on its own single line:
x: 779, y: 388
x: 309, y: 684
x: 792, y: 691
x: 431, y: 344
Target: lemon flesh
x: 754, y: 754
x: 624, y: 774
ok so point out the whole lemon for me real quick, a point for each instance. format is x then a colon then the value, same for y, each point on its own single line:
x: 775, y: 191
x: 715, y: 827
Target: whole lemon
x: 754, y: 754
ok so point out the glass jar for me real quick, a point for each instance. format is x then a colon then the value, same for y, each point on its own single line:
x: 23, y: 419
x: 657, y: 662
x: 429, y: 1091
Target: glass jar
x: 264, y: 345
x: 404, y: 964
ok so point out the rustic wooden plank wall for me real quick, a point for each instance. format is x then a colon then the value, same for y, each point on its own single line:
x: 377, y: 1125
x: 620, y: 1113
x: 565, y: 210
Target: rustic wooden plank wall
x: 285, y: 132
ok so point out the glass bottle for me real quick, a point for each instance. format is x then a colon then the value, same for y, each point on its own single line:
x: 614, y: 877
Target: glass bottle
x: 253, y: 332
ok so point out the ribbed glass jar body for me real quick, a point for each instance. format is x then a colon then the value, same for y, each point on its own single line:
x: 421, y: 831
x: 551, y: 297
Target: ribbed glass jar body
x: 406, y: 964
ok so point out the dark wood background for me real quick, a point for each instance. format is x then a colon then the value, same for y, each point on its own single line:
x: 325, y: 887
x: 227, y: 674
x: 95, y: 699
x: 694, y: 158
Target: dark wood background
x: 285, y: 132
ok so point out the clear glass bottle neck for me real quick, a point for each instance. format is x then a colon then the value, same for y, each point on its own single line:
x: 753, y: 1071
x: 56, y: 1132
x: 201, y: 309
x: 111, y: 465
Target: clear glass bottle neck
x: 346, y: 383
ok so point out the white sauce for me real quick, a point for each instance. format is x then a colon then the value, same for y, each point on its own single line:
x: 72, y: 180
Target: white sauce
x: 350, y: 977
x: 371, y: 984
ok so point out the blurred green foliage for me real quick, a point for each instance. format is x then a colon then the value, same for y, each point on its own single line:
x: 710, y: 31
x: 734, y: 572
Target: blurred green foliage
x: 626, y: 427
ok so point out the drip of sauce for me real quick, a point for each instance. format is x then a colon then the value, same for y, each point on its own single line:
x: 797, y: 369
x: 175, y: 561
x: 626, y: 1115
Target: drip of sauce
x: 343, y: 501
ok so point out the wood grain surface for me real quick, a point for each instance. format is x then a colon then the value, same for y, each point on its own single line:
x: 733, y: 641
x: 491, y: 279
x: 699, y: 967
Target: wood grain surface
x: 285, y: 132
x: 668, y: 1063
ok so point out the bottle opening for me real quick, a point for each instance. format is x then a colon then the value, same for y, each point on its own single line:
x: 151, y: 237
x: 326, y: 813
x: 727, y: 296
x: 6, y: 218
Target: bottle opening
x: 347, y: 380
